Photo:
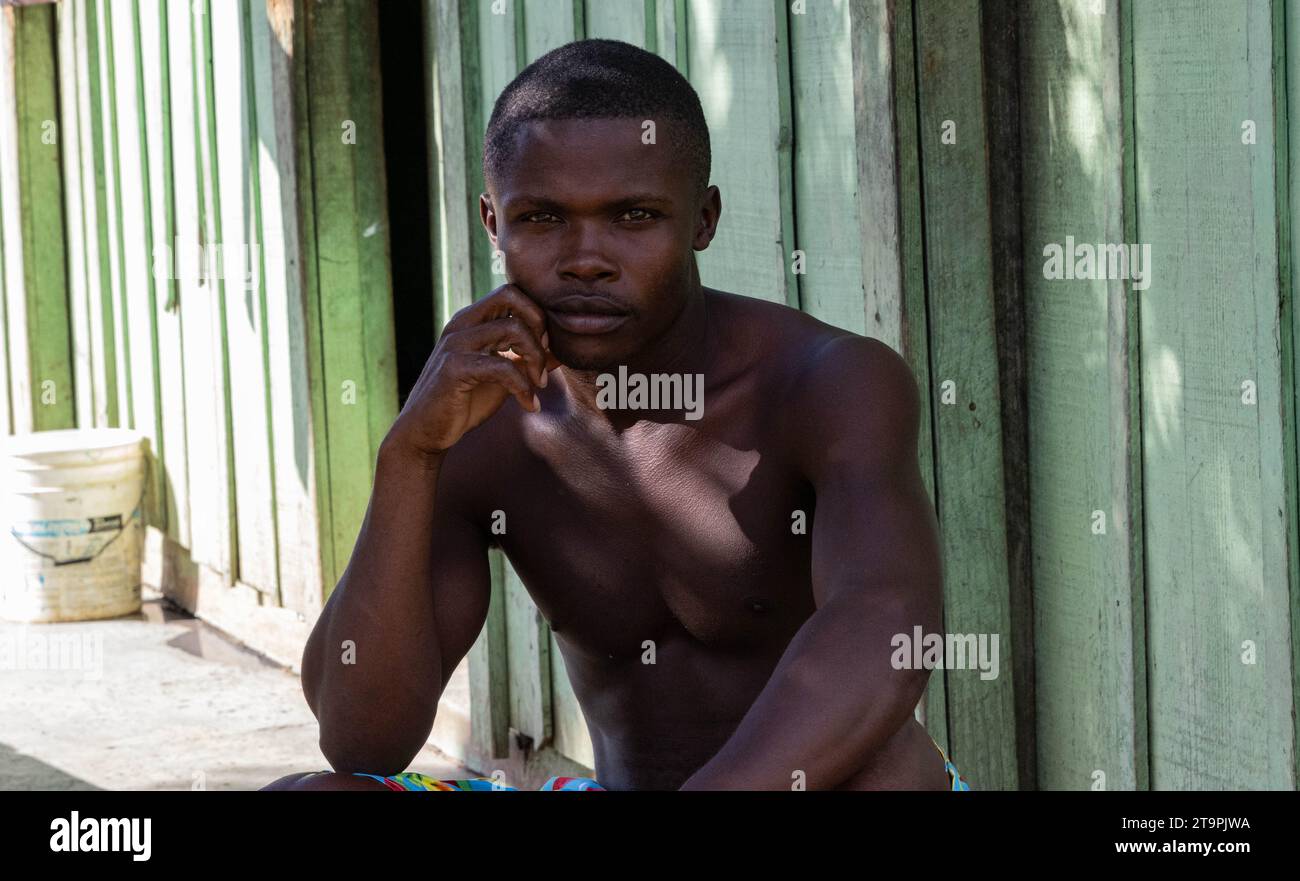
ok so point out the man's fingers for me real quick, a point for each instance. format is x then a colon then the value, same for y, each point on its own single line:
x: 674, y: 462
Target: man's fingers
x: 507, y: 300
x: 509, y: 375
x: 502, y: 335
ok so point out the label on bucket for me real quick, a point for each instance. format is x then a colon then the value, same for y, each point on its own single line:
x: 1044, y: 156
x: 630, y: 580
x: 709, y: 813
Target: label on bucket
x: 71, y: 569
x: 67, y: 541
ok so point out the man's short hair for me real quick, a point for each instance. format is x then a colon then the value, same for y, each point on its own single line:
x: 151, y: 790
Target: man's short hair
x: 603, y: 79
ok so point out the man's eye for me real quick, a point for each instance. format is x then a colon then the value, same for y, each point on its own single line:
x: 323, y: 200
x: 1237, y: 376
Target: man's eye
x: 645, y: 215
x: 533, y: 218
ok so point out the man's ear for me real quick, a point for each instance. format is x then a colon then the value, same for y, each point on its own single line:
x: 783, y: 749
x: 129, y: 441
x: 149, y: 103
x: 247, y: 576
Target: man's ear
x: 488, y: 216
x: 710, y: 212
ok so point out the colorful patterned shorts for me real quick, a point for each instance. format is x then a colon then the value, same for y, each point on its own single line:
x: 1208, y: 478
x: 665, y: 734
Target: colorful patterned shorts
x: 413, y: 781
x: 958, y: 782
x: 416, y: 782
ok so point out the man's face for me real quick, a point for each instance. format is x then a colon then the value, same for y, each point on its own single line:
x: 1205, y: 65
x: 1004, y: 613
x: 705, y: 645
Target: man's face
x: 599, y: 229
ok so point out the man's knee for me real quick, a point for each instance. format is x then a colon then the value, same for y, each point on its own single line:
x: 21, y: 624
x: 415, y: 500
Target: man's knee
x: 322, y: 781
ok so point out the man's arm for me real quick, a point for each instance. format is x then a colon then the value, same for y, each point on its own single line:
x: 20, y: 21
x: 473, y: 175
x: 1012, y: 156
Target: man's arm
x: 415, y: 593
x: 405, y: 612
x: 834, y: 697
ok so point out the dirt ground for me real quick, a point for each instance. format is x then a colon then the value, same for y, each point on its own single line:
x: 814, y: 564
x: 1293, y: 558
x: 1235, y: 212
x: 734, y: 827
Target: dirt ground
x: 157, y: 700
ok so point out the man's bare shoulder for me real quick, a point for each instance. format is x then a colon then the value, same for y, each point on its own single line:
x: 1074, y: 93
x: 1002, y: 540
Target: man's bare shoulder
x: 816, y: 362
x: 840, y: 394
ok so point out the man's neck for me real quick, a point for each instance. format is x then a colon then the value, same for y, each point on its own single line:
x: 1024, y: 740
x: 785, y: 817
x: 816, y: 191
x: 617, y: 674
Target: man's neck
x: 685, y: 348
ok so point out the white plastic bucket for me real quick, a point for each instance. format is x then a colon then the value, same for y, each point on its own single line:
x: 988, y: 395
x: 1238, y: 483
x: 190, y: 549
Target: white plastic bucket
x: 72, y: 527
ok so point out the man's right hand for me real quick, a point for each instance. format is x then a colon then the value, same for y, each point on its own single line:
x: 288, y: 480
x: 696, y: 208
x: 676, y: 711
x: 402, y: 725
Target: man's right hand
x: 491, y: 349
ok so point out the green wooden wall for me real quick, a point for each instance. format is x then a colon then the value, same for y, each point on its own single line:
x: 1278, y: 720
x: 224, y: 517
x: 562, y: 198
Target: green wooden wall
x: 1114, y: 469
x: 1166, y: 655
x: 195, y: 246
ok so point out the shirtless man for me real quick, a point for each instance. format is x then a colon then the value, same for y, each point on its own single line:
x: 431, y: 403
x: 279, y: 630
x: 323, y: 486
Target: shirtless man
x: 772, y: 643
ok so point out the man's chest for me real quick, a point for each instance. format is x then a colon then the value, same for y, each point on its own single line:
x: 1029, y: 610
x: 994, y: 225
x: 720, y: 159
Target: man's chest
x: 675, y: 533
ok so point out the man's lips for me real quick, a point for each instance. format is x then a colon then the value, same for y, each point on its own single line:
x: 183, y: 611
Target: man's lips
x: 586, y: 314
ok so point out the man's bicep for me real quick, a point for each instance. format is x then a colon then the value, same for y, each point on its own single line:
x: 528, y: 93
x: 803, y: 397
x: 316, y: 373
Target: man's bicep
x: 460, y: 576
x: 879, y: 537
x: 874, y: 527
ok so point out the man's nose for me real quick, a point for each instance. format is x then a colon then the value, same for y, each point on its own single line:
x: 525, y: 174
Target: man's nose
x: 584, y: 255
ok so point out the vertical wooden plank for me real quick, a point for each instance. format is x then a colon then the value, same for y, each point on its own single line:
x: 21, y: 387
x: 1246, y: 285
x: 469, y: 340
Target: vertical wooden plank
x: 461, y: 271
x: 1090, y: 679
x: 824, y: 83
x: 528, y: 662
x: 203, y: 325
x: 624, y: 20
x: 171, y: 367
x: 137, y: 306
x: 95, y: 227
x: 351, y: 246
x: 291, y: 427
x: 738, y: 63
x: 11, y: 271
x: 70, y: 136
x: 969, y: 470
x: 1216, y: 491
x: 117, y: 333
x: 571, y: 735
x: 1286, y: 31
x: 40, y: 357
x: 305, y: 216
x: 549, y: 24
x: 666, y: 23
x: 241, y: 250
x: 914, y: 331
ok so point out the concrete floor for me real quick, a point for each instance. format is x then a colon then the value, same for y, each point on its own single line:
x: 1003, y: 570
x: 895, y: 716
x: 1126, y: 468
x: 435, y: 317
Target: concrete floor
x: 157, y: 700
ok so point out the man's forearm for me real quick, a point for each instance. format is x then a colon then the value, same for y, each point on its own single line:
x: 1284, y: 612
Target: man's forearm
x: 832, y: 700
x: 374, y: 646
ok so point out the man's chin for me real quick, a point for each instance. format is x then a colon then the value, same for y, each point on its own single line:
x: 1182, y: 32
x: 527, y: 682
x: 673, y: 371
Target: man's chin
x: 586, y: 357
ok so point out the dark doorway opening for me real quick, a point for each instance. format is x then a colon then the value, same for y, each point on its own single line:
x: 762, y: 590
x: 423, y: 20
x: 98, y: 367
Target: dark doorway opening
x: 406, y: 157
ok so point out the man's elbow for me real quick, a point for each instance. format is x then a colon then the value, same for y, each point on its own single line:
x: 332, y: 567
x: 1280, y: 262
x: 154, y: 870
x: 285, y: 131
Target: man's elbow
x: 348, y: 754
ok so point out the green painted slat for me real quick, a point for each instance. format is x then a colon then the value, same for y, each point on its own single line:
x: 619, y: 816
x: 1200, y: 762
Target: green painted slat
x: 665, y: 22
x: 1286, y: 30
x: 95, y: 222
x: 290, y: 417
x: 39, y: 344
x: 738, y: 63
x: 550, y: 23
x: 570, y: 734
x: 203, y: 325
x: 241, y: 246
x: 10, y: 268
x: 972, y: 515
x: 1091, y: 680
x: 360, y: 387
x: 1215, y: 483
x: 305, y: 216
x: 71, y: 137
x: 528, y: 662
x: 115, y: 327
x: 192, y: 296
x: 137, y: 306
x: 914, y: 335
x: 617, y: 20
x: 152, y: 27
x: 823, y: 79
